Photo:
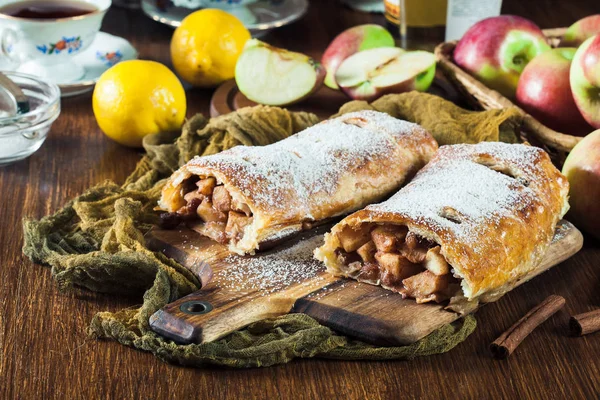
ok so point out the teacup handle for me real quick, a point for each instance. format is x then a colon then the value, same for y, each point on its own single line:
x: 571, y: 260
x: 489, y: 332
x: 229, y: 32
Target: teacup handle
x: 8, y: 38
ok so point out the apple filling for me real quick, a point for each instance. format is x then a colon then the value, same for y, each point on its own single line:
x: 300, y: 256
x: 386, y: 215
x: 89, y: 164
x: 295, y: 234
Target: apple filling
x: 398, y: 259
x: 209, y: 209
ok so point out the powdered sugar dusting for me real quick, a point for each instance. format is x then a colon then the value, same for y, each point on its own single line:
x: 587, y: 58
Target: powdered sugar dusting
x: 272, y: 272
x: 460, y: 192
x: 310, y: 163
x: 561, y: 231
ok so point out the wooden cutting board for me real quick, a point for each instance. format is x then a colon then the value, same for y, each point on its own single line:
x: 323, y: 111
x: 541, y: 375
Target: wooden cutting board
x: 287, y: 279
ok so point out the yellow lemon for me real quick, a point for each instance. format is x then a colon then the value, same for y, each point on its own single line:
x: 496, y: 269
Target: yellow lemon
x: 137, y: 98
x: 206, y: 46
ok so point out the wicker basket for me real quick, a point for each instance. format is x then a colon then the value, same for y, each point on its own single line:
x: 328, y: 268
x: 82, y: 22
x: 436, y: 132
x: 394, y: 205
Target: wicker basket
x: 556, y: 143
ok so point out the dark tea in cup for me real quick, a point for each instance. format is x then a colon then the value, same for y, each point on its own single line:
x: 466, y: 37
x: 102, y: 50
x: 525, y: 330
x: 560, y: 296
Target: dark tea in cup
x: 47, y: 9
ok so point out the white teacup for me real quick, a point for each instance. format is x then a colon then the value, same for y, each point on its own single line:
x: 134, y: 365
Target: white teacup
x: 45, y: 47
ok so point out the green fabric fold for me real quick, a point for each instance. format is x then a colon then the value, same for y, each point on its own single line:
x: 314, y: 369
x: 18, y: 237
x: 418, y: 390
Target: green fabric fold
x: 96, y: 241
x: 447, y: 122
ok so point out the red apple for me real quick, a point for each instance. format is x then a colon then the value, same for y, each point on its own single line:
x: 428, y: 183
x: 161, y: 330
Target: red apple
x: 496, y: 50
x: 585, y: 80
x: 351, y: 41
x: 582, y: 169
x: 580, y: 31
x: 544, y: 92
x: 369, y: 74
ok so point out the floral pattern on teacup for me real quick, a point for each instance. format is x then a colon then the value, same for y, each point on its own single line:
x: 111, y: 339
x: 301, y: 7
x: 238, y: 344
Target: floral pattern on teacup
x: 68, y: 44
x: 111, y: 58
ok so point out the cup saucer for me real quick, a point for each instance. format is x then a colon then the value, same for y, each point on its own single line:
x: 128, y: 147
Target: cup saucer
x: 105, y: 51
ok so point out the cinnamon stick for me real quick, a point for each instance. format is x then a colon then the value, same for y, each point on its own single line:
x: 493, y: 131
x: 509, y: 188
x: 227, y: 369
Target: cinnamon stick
x: 507, y: 342
x: 585, y: 323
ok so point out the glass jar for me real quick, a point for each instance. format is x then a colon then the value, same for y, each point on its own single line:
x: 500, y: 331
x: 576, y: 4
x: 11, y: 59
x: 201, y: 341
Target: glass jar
x: 417, y: 22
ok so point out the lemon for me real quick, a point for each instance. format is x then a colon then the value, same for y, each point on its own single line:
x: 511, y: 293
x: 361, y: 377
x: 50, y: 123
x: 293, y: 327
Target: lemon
x: 137, y: 98
x: 206, y: 46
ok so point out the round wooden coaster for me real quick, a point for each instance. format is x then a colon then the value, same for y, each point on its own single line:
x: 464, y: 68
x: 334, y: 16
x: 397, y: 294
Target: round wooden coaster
x: 324, y: 103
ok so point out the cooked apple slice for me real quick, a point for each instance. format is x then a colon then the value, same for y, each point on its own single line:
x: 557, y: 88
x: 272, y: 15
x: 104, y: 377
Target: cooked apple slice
x: 369, y: 74
x: 351, y: 239
x: 276, y: 77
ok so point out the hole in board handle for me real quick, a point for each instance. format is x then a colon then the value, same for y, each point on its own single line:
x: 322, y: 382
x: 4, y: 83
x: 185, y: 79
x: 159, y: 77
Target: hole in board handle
x: 196, y: 307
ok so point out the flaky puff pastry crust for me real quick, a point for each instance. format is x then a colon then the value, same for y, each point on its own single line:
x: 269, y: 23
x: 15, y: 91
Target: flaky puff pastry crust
x: 330, y: 169
x: 492, y: 207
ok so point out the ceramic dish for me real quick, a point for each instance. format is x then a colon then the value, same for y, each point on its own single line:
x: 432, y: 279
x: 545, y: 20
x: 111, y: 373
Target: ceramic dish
x: 23, y: 134
x: 372, y: 6
x: 46, y: 47
x: 105, y: 51
x: 259, y: 17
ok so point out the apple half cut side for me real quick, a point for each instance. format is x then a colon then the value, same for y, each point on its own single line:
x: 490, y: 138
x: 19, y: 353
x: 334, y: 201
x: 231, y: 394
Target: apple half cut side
x: 276, y: 77
x: 351, y: 41
x: 369, y: 74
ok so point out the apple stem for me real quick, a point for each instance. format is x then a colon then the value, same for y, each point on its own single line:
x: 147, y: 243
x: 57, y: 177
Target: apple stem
x: 518, y: 60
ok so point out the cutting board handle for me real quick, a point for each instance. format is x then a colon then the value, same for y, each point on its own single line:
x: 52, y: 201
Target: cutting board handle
x: 203, y: 317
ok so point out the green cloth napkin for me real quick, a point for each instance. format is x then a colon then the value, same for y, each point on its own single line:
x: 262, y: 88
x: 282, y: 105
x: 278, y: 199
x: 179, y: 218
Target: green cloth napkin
x: 97, y: 240
x: 447, y: 122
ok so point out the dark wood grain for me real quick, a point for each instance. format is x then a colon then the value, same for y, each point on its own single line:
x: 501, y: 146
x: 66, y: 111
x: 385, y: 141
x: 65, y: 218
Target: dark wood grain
x: 44, y: 351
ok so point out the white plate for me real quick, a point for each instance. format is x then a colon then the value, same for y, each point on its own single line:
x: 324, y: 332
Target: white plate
x: 372, y: 6
x: 105, y: 51
x: 258, y: 17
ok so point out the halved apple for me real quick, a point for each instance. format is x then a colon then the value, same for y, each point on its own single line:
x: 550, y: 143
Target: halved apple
x: 276, y: 77
x: 351, y: 41
x: 369, y: 74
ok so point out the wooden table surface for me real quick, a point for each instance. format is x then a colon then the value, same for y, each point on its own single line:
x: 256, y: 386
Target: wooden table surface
x: 44, y: 351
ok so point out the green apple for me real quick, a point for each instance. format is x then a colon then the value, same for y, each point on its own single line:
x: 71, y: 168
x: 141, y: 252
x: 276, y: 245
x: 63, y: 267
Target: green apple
x: 351, y: 41
x: 269, y: 75
x: 369, y: 74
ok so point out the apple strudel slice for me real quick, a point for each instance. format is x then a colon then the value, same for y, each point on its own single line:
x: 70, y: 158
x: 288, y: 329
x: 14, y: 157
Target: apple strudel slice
x: 470, y: 224
x: 252, y: 197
